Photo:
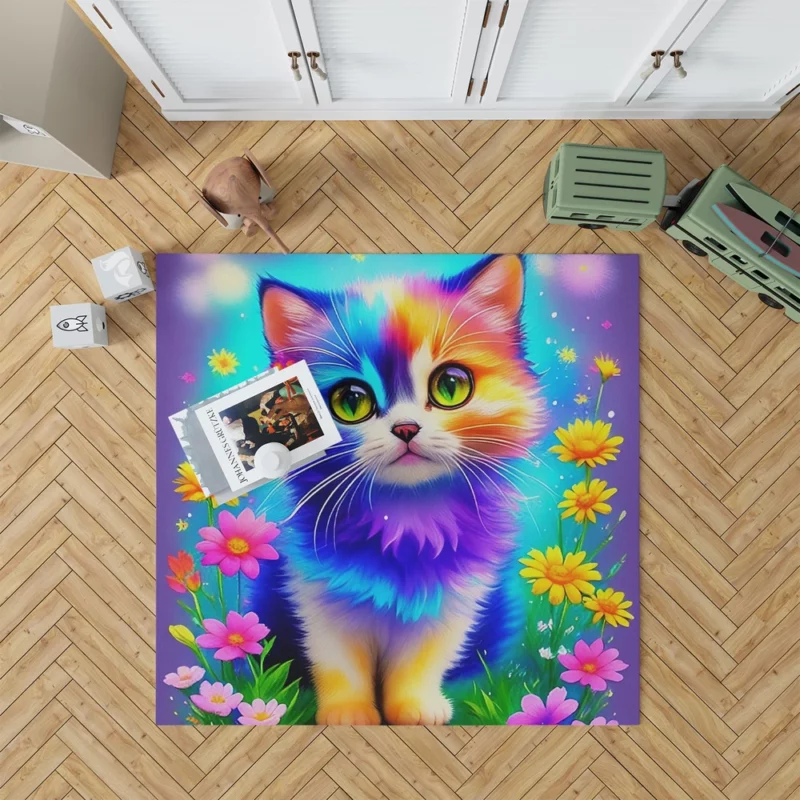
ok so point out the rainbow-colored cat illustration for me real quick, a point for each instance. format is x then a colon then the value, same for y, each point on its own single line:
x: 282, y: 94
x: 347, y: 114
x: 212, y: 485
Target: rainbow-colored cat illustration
x: 467, y: 554
x: 400, y: 532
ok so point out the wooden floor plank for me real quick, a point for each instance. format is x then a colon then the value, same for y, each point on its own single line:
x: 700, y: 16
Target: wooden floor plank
x: 720, y: 469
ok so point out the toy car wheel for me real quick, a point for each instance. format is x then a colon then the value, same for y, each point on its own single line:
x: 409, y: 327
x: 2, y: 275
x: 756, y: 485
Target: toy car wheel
x: 592, y: 226
x: 693, y: 248
x: 769, y: 301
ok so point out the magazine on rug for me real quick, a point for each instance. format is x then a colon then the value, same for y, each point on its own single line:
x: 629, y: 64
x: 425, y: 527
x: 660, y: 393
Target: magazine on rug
x: 284, y: 407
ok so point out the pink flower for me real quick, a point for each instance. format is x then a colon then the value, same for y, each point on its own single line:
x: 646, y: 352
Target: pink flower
x: 188, y: 377
x: 605, y: 324
x: 592, y: 666
x: 184, y: 677
x: 239, y: 543
x: 535, y: 712
x: 597, y: 721
x: 216, y: 698
x: 261, y: 713
x: 235, y: 638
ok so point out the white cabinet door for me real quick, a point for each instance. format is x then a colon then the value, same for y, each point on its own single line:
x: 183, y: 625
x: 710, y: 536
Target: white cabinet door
x: 390, y: 54
x: 571, y: 54
x: 206, y: 54
x: 744, y: 52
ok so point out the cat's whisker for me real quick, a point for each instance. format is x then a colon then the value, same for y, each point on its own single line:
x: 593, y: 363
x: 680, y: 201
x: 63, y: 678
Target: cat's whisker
x: 525, y: 453
x: 382, y: 462
x: 344, y: 330
x: 498, y: 464
x: 458, y: 344
x: 365, y: 478
x: 503, y: 470
x: 329, y: 364
x: 450, y: 315
x: 467, y: 320
x: 474, y: 467
x: 307, y: 334
x: 485, y: 425
x: 458, y: 466
x: 341, y: 499
x: 282, y: 483
x: 321, y: 350
x: 341, y: 479
x: 511, y: 468
x: 436, y: 347
x: 320, y: 486
x: 333, y: 492
x: 352, y: 487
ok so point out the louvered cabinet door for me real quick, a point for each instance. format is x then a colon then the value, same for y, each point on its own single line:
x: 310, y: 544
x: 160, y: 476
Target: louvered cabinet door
x: 745, y: 51
x: 575, y: 54
x: 208, y: 55
x: 390, y: 54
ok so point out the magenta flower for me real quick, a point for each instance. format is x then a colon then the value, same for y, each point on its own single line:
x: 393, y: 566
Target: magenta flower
x: 597, y: 721
x: 216, y: 698
x: 235, y: 638
x: 535, y: 712
x: 592, y: 666
x: 188, y: 377
x: 605, y: 324
x: 184, y: 677
x: 238, y: 543
x: 260, y: 713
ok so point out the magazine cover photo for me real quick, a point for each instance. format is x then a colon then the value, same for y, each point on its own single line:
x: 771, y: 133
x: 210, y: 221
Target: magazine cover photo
x: 280, y: 414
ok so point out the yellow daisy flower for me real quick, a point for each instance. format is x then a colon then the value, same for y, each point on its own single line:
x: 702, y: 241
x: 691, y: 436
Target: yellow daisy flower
x: 223, y: 362
x: 559, y: 575
x: 189, y: 487
x: 584, y: 501
x: 181, y: 525
x: 587, y: 442
x: 567, y: 355
x: 358, y: 257
x: 581, y: 399
x: 611, y: 606
x: 608, y: 367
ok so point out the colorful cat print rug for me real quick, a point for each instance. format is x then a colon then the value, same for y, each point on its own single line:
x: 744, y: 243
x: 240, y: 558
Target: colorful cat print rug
x: 467, y: 554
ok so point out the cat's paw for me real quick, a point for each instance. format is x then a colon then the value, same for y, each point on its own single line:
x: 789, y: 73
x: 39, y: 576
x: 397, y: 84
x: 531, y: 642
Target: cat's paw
x: 410, y: 710
x: 353, y: 713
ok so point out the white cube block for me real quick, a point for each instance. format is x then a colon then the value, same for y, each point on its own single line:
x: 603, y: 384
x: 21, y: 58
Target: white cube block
x: 78, y: 325
x: 122, y: 274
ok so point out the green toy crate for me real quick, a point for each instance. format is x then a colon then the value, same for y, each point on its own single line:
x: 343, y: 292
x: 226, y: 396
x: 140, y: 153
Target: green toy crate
x: 598, y: 187
x: 702, y: 232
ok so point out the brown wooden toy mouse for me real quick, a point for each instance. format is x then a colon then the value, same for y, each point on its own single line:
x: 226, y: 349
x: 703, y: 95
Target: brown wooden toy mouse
x: 232, y: 193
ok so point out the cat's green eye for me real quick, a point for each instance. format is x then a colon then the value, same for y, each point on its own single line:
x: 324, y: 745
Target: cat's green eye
x: 351, y: 401
x: 450, y: 386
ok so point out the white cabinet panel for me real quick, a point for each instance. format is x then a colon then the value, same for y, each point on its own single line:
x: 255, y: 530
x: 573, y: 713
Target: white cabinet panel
x: 747, y: 52
x: 401, y: 59
x: 582, y: 50
x: 206, y: 53
x: 385, y: 51
x: 211, y: 53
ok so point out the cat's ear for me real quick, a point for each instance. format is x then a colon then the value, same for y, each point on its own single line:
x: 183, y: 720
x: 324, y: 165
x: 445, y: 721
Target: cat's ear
x: 290, y: 318
x: 499, y: 288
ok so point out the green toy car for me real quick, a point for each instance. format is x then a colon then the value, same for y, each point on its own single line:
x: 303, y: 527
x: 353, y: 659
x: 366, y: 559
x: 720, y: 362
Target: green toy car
x: 699, y: 227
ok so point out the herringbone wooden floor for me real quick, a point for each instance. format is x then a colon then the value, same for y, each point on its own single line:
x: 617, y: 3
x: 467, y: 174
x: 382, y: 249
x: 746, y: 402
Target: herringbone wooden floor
x: 720, y: 467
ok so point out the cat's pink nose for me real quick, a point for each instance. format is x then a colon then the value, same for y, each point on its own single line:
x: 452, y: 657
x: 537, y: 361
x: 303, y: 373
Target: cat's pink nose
x: 405, y: 430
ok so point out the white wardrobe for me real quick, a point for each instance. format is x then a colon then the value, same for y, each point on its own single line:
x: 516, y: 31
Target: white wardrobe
x: 439, y: 59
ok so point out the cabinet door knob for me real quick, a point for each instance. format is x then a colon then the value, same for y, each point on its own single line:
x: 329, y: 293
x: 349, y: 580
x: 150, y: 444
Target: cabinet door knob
x: 657, y: 56
x: 676, y: 60
x: 295, y: 66
x: 316, y: 68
